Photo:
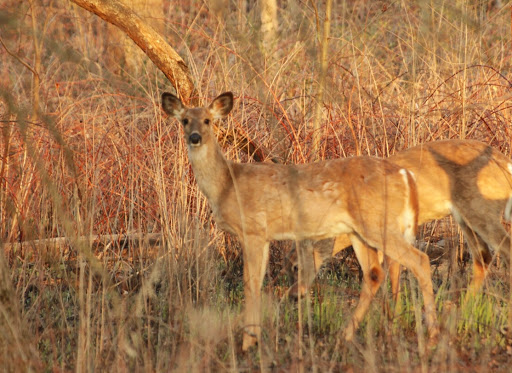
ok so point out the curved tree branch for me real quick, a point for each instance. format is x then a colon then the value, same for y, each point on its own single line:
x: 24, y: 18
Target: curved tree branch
x: 150, y: 41
x: 162, y: 55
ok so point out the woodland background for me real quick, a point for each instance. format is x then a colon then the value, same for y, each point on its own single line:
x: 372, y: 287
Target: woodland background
x: 111, y: 260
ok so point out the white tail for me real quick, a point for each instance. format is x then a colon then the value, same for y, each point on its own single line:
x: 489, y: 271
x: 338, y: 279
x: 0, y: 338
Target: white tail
x: 465, y: 178
x: 371, y: 200
x: 508, y: 207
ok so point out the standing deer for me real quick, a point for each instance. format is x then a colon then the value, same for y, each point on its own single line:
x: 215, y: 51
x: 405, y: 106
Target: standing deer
x: 465, y: 178
x: 371, y: 200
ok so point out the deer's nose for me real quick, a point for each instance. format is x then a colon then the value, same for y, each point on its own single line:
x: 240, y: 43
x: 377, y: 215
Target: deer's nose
x: 194, y: 138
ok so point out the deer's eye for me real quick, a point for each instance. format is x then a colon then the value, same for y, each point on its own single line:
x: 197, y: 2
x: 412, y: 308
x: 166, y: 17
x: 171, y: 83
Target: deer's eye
x: 207, y: 121
x: 184, y: 121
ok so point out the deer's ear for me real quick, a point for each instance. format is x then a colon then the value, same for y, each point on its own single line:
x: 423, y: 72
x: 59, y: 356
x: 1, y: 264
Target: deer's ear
x: 222, y: 105
x: 172, y: 105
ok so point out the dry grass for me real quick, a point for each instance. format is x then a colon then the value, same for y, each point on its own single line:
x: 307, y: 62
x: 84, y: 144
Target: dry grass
x: 97, y: 157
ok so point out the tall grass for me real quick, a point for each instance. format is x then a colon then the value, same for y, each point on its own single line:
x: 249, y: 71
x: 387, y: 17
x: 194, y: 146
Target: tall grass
x: 96, y: 157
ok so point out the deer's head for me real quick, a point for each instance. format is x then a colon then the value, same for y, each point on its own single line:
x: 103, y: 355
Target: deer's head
x: 197, y: 121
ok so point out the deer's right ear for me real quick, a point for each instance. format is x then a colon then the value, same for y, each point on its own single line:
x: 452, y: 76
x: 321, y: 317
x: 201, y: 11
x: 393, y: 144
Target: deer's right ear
x: 172, y: 105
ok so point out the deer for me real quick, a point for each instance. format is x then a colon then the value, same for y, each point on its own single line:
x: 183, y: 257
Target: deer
x: 371, y: 200
x: 465, y: 178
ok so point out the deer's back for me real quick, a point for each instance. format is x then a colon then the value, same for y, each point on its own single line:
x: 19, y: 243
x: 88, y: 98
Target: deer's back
x: 462, y: 171
x: 316, y: 200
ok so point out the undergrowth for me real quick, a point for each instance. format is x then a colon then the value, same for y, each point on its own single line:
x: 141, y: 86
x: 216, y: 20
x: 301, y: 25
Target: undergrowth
x: 86, y: 152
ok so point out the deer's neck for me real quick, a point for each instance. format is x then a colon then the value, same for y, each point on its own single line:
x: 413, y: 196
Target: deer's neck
x: 211, y: 170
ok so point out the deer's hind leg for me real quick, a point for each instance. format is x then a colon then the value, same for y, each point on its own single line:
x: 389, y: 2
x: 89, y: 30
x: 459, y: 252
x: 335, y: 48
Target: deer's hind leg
x: 399, y: 250
x: 483, y: 231
x: 480, y: 254
x: 495, y: 236
x: 373, y: 275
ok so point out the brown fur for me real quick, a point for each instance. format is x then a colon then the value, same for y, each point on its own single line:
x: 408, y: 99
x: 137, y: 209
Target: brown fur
x: 360, y: 196
x: 466, y: 178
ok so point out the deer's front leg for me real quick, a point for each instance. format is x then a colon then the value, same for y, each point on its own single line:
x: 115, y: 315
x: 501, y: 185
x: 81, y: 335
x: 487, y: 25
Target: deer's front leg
x: 313, y: 255
x: 308, y: 257
x: 255, y: 263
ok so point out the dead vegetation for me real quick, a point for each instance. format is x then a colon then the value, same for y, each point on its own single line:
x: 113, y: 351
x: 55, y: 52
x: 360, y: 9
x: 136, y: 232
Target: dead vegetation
x: 86, y: 152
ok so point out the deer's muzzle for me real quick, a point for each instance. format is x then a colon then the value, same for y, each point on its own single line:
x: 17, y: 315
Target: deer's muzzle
x: 194, y: 138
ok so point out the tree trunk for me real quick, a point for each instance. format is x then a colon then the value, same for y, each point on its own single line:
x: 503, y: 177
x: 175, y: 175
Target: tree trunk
x: 268, y: 13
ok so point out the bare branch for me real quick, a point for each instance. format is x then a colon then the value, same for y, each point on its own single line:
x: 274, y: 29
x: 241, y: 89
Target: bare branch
x: 16, y: 57
x: 150, y: 41
x: 136, y: 239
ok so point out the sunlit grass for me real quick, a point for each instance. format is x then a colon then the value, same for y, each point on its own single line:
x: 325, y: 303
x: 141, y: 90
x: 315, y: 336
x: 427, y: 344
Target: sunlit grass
x: 101, y: 159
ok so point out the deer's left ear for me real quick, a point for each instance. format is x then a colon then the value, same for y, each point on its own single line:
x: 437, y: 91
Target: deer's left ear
x: 222, y: 105
x: 172, y: 105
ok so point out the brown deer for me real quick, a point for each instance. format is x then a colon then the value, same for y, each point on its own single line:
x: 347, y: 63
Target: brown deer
x: 371, y: 200
x: 465, y: 178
